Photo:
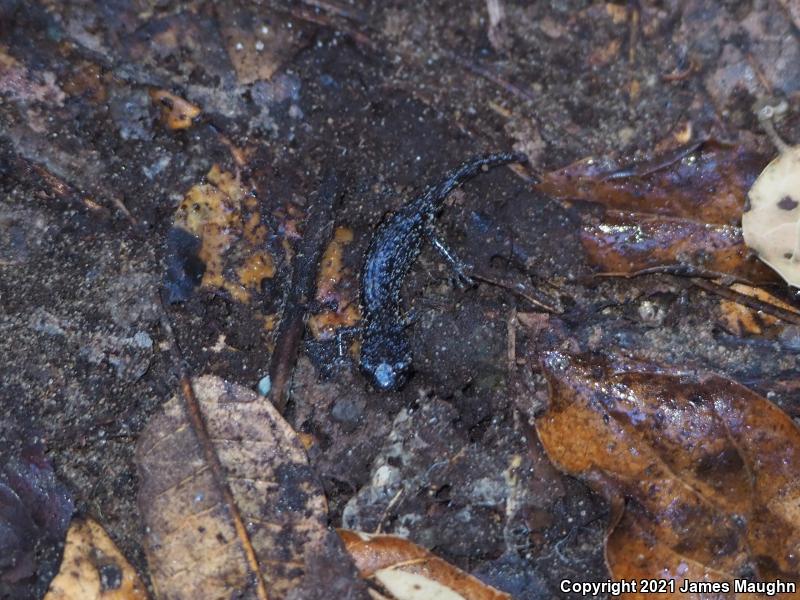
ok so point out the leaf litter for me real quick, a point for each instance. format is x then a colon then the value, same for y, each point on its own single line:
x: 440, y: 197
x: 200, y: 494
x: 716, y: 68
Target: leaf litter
x: 35, y: 510
x: 680, y: 213
x: 701, y: 473
x: 196, y: 547
x: 93, y: 568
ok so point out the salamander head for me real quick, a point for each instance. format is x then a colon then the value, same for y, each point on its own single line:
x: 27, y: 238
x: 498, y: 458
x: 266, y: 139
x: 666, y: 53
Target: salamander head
x: 386, y: 358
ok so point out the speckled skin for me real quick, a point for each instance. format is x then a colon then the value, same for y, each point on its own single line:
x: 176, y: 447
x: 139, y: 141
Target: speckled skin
x: 385, y: 350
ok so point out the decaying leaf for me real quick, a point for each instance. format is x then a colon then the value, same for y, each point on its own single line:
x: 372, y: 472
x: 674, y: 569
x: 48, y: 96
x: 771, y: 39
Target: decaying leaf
x: 678, y: 210
x: 260, y: 42
x: 176, y: 113
x: 35, y: 509
x: 336, y: 289
x: 93, y: 568
x: 217, y: 241
x: 771, y: 222
x: 19, y: 84
x: 708, y: 469
x: 630, y: 243
x: 740, y: 319
x: 401, y: 570
x: 193, y: 546
x: 706, y: 183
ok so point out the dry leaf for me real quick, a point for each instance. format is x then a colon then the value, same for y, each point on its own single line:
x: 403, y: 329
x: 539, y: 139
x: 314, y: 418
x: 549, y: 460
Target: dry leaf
x: 93, y: 568
x: 260, y: 43
x: 772, y: 215
x: 193, y: 546
x: 708, y: 468
x: 401, y: 570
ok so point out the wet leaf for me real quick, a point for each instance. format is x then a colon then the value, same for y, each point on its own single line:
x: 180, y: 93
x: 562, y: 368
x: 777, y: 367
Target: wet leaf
x: 93, y: 568
x: 707, y: 471
x: 35, y: 509
x: 401, y: 570
x: 217, y: 241
x: 678, y: 210
x: 336, y: 289
x: 176, y: 113
x: 260, y: 43
x: 20, y: 85
x: 630, y: 243
x: 193, y: 544
x: 740, y: 319
x: 707, y: 184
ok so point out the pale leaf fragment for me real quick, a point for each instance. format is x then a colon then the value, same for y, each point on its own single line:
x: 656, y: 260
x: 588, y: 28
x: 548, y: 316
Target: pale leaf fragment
x: 193, y: 546
x: 401, y: 570
x: 93, y: 568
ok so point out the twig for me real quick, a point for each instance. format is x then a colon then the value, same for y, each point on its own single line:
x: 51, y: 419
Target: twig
x: 681, y: 75
x: 389, y: 507
x: 656, y: 164
x: 515, y: 289
x: 325, y: 21
x: 676, y: 271
x: 511, y: 335
x: 318, y: 228
x: 335, y: 9
x: 748, y: 301
x: 195, y: 416
x: 496, y: 79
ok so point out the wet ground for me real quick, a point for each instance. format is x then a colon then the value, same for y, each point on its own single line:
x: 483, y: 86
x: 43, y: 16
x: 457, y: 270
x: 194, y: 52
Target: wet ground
x: 390, y: 96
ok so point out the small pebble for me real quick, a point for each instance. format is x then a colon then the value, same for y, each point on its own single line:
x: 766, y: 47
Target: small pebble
x: 142, y: 340
x: 264, y: 385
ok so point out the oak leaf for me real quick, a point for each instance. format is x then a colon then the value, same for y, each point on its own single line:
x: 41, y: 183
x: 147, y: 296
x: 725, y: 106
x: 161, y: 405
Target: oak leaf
x: 701, y: 473
x: 678, y: 211
x: 196, y: 545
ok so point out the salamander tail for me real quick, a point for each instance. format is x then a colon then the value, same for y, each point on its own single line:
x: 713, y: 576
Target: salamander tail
x: 470, y: 169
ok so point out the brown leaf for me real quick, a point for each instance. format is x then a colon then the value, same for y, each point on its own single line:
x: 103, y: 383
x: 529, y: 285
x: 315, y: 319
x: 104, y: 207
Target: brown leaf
x: 709, y: 469
x: 404, y: 571
x: 193, y: 545
x: 93, y: 568
x: 740, y: 319
x: 630, y: 243
x: 707, y: 184
x: 176, y: 113
x: 218, y: 241
x: 336, y: 289
x: 259, y: 44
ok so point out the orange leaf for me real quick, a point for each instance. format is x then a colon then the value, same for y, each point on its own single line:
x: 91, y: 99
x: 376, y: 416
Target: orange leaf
x: 630, y: 243
x: 708, y: 468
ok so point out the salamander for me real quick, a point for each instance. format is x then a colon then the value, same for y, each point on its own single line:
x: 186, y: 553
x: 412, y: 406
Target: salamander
x: 386, y: 356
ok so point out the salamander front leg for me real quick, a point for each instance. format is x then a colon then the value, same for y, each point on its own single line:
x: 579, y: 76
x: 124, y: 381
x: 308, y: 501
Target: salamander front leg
x: 459, y: 268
